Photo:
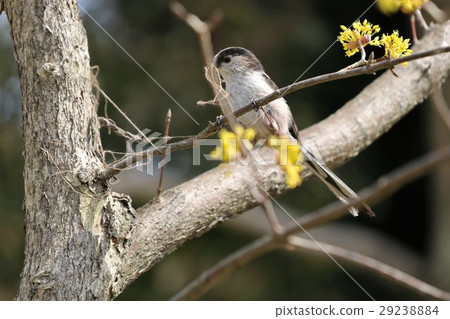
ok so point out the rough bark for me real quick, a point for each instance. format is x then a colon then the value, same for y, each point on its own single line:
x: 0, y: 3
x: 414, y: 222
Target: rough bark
x: 66, y: 242
x: 85, y: 243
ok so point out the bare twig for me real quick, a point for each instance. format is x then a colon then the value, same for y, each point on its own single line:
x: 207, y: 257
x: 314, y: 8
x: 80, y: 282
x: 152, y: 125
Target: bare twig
x: 212, y: 128
x: 166, y: 135
x: 202, y: 29
x: 377, y: 266
x: 385, y: 186
x: 130, y: 159
x: 108, y: 99
x: 261, y: 197
x: 112, y: 126
x: 238, y: 259
x: 342, y: 74
x: 412, y: 22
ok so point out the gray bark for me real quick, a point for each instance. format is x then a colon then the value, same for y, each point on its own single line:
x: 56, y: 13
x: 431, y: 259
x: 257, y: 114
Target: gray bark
x: 66, y: 239
x: 84, y: 242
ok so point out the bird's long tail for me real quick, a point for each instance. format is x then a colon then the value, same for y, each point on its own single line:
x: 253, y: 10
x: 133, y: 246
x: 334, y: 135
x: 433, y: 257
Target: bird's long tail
x: 334, y: 183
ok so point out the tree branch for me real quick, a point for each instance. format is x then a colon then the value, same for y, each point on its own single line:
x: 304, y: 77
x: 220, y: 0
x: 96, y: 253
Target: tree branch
x: 372, y: 264
x: 440, y: 54
x: 368, y: 69
x: 194, y: 207
x: 385, y: 186
x: 202, y: 29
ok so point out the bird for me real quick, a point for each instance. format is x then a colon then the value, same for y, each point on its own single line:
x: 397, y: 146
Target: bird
x: 245, y: 81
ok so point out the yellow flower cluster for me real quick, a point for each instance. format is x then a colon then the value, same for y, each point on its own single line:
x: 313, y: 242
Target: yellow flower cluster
x: 230, y: 148
x: 406, y: 6
x: 395, y: 46
x: 409, y: 6
x: 290, y: 158
x: 361, y: 32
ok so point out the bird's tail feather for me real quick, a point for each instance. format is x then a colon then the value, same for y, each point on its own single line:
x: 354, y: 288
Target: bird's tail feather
x: 334, y: 183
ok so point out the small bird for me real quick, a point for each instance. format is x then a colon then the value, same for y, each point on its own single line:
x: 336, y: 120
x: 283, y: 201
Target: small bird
x: 246, y: 81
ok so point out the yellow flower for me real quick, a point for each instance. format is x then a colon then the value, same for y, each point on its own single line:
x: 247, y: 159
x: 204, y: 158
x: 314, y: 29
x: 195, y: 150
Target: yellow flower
x: 409, y: 6
x: 293, y: 178
x: 395, y: 46
x: 289, y: 158
x: 245, y: 134
x: 358, y: 33
x: 406, y: 6
x: 389, y: 7
x: 230, y: 148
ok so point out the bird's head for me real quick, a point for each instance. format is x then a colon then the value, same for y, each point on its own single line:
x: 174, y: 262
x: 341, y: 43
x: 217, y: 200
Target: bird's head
x: 236, y: 61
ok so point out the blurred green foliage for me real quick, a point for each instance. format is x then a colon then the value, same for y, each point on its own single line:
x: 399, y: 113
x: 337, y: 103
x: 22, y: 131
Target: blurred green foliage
x: 288, y: 36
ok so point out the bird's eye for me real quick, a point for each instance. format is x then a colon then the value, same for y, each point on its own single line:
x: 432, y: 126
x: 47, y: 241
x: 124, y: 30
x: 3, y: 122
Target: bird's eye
x: 226, y: 59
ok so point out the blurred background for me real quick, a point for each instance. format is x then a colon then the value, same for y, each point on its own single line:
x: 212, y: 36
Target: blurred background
x: 411, y: 230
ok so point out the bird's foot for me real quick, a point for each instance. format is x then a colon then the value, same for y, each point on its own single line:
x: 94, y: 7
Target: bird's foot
x: 219, y: 121
x: 254, y: 105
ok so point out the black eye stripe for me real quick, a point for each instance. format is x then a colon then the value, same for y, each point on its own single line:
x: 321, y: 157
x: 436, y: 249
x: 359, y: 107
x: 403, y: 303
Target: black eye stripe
x: 226, y: 59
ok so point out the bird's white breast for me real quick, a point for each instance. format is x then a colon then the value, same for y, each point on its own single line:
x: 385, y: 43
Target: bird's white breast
x: 243, y: 89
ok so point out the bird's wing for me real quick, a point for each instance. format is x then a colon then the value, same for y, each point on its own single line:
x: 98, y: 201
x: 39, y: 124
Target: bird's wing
x: 269, y: 81
x: 344, y: 193
x: 293, y: 129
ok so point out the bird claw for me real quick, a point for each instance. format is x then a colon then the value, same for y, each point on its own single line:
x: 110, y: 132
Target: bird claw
x: 219, y: 121
x: 254, y: 105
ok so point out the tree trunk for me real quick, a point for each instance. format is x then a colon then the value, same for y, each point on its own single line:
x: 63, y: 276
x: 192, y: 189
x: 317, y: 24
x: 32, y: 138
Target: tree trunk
x: 65, y: 240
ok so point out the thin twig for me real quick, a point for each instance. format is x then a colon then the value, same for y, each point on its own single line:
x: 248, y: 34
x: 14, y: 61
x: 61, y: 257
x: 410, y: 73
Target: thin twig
x: 125, y: 116
x: 166, y: 135
x: 237, y: 259
x: 385, y: 186
x: 201, y: 28
x: 212, y: 128
x: 112, y: 127
x: 386, y: 270
x: 372, y: 68
x: 412, y: 22
x: 261, y: 197
x: 130, y: 159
